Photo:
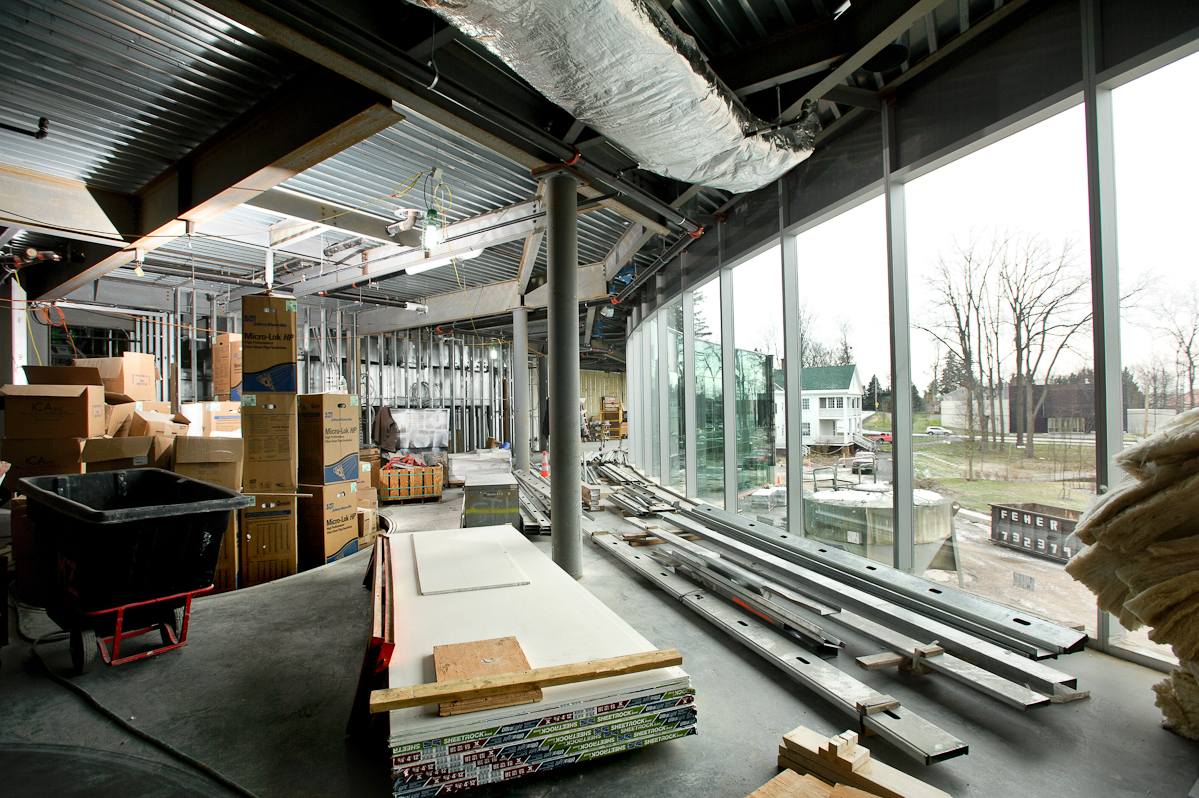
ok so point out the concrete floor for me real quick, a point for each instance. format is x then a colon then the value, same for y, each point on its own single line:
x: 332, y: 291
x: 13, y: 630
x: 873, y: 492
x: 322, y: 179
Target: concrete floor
x: 263, y: 690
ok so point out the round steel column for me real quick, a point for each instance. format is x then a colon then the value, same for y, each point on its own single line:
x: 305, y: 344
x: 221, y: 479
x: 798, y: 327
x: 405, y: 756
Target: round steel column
x: 562, y: 249
x: 520, y: 389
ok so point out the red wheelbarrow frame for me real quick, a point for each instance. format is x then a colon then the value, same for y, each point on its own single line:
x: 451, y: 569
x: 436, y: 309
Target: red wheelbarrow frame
x: 178, y: 639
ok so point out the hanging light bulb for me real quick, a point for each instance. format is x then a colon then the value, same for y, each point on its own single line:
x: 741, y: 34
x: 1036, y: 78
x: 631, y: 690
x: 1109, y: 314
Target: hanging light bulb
x: 431, y: 235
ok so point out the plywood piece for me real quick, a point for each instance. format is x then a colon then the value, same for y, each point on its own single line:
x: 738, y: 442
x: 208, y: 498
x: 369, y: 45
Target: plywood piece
x: 458, y: 690
x: 473, y: 560
x: 482, y: 658
x: 789, y: 784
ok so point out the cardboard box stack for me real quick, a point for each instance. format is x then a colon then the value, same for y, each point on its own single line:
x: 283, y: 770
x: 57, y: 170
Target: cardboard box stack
x: 219, y: 461
x: 269, y: 547
x: 328, y: 432
x: 213, y: 419
x: 226, y: 367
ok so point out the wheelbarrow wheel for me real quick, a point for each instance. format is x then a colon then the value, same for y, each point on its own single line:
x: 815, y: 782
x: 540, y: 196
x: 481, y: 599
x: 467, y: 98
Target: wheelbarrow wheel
x: 176, y: 618
x: 83, y: 650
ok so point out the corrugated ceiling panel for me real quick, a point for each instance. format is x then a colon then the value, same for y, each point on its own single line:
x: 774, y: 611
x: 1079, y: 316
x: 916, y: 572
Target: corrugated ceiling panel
x: 129, y: 87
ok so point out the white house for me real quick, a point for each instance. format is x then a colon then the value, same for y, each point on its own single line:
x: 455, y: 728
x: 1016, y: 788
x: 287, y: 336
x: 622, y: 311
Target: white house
x: 831, y: 406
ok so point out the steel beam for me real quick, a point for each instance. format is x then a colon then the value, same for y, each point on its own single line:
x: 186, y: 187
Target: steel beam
x: 250, y: 155
x: 871, y: 27
x: 565, y: 449
x: 728, y: 377
x: 687, y: 399
x: 793, y: 384
x: 520, y: 389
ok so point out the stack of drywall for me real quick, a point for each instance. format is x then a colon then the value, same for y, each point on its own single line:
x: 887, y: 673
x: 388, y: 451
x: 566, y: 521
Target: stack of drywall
x: 480, y: 461
x: 436, y: 601
x: 1142, y: 560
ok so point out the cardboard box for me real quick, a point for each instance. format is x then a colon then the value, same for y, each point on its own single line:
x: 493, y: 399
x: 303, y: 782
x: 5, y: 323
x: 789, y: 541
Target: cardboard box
x: 328, y: 434
x: 268, y: 344
x: 114, y: 454
x: 53, y: 411
x: 146, y: 422
x: 368, y: 498
x: 364, y: 475
x: 213, y: 419
x: 215, y: 460
x: 268, y: 540
x: 219, y: 461
x: 371, y: 455
x: 268, y: 427
x: 226, y: 367
x: 368, y: 526
x: 328, y: 526
x: 118, y: 416
x: 41, y: 457
x: 132, y: 377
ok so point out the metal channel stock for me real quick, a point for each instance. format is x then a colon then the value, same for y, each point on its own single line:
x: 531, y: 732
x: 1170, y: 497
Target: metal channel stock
x: 904, y: 729
x: 983, y: 653
x: 955, y: 607
x: 990, y: 684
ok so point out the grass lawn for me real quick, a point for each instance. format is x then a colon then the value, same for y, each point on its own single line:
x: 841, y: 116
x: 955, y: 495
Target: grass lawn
x: 881, y: 422
x: 980, y: 494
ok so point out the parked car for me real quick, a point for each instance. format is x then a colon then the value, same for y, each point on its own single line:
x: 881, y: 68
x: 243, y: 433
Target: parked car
x: 935, y: 430
x: 881, y: 437
x: 863, y: 464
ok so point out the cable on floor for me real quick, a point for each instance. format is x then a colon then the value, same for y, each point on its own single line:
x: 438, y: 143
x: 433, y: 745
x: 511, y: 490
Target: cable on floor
x: 162, y: 745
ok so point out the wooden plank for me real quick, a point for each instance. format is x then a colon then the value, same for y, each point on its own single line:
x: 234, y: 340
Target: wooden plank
x: 418, y: 695
x: 845, y: 791
x: 878, y: 662
x: 790, y: 784
x: 482, y: 658
x: 802, y: 748
x: 473, y: 560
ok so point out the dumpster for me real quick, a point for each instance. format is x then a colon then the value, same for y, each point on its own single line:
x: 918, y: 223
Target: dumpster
x: 123, y: 549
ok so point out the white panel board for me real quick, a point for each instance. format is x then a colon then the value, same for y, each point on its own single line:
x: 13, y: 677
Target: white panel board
x: 468, y: 559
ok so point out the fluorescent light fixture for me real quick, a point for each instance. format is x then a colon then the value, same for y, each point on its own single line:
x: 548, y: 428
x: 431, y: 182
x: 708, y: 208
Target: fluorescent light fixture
x: 841, y: 9
x: 433, y: 263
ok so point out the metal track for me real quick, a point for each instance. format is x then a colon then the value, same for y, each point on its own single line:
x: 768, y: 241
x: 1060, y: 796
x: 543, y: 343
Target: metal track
x: 904, y: 729
x: 1028, y: 633
x: 971, y: 675
x: 978, y: 651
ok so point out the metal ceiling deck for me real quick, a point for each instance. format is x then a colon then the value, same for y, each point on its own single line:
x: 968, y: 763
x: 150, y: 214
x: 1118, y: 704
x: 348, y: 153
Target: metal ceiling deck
x: 129, y: 86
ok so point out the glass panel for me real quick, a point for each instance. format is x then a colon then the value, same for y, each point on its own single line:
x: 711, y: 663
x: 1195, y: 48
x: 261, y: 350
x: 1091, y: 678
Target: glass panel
x: 845, y: 349
x: 1002, y: 354
x: 655, y: 421
x: 1159, y: 332
x: 709, y: 392
x: 758, y: 335
x: 673, y: 363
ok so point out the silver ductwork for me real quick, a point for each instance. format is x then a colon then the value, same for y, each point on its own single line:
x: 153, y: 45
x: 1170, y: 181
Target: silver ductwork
x: 624, y: 68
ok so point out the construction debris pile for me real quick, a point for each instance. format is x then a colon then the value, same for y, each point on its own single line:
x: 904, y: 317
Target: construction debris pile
x: 791, y: 599
x: 1142, y: 560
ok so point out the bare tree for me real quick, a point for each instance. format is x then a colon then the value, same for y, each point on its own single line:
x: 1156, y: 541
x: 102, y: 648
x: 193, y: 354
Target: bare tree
x: 807, y: 328
x: 1046, y: 297
x: 844, y: 352
x: 1177, y: 312
x: 960, y: 286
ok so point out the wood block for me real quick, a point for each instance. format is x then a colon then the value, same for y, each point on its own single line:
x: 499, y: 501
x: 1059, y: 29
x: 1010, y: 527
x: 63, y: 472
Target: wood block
x: 789, y: 784
x: 880, y: 704
x: 482, y: 658
x: 801, y: 749
x: 878, y: 662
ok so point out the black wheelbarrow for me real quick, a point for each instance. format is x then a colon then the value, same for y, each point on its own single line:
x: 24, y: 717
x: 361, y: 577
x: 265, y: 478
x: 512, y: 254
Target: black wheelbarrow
x: 124, y: 552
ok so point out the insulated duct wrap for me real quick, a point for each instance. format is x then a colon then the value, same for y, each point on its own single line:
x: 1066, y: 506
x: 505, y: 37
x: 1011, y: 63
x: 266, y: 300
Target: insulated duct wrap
x: 623, y: 68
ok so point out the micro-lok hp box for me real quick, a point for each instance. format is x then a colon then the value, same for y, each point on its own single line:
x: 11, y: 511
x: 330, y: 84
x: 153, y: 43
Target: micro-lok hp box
x: 268, y: 427
x: 328, y: 429
x: 328, y: 526
x: 268, y: 344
